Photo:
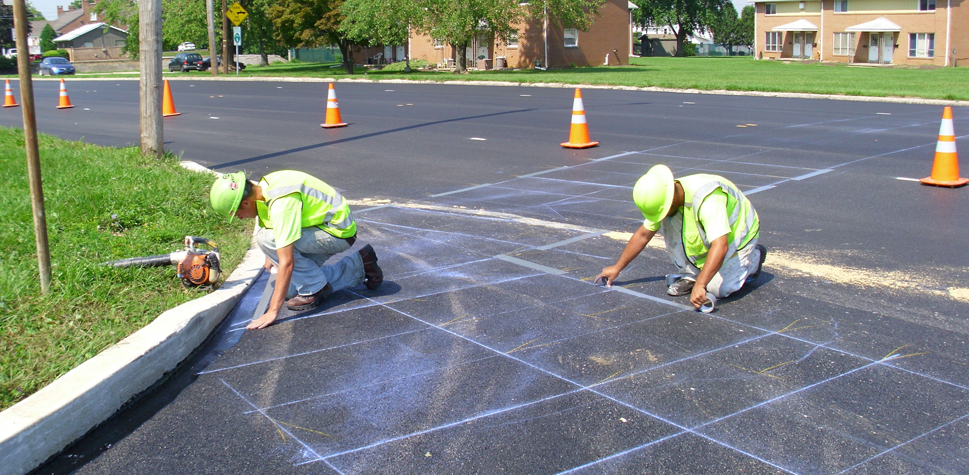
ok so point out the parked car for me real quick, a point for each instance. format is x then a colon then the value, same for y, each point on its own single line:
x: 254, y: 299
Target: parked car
x: 55, y: 65
x: 207, y: 63
x: 186, y: 46
x: 11, y: 53
x: 185, y: 62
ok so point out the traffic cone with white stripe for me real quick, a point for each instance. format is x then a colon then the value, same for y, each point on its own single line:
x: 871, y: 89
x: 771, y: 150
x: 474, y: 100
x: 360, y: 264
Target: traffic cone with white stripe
x: 8, y: 100
x: 332, y: 111
x: 65, y: 99
x: 945, y: 169
x: 579, y: 135
x: 168, y: 105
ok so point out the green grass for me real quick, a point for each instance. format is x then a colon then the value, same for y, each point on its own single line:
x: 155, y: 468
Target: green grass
x: 101, y: 204
x: 703, y: 73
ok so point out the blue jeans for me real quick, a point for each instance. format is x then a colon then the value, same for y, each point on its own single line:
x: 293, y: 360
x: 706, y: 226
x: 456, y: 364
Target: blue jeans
x: 310, y: 253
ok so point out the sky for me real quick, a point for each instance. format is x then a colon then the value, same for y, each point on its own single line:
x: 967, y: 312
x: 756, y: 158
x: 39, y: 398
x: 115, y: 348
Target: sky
x: 49, y: 7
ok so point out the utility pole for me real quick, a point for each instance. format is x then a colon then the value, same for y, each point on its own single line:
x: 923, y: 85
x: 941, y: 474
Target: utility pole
x: 225, y: 39
x: 213, y: 48
x: 150, y: 47
x: 30, y: 144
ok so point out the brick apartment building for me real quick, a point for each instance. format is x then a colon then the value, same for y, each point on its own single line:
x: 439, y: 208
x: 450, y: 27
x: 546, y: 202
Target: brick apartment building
x: 902, y: 32
x: 537, y: 44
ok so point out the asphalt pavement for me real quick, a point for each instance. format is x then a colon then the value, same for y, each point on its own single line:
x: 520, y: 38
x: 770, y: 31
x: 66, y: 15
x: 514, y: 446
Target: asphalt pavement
x: 489, y: 348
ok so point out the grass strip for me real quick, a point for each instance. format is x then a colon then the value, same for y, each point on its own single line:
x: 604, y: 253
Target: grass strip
x: 101, y: 204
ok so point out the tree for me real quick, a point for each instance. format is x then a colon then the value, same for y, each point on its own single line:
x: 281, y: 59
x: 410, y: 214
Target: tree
x: 185, y: 20
x: 47, y: 36
x: 379, y: 22
x: 258, y: 31
x: 745, y: 27
x: 457, y: 22
x: 684, y: 17
x: 725, y: 27
x: 311, y: 23
x: 6, y: 26
x: 124, y: 13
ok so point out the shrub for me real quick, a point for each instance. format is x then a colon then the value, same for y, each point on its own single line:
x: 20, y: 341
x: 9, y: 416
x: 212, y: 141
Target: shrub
x: 57, y: 52
x: 7, y: 64
x: 400, y: 65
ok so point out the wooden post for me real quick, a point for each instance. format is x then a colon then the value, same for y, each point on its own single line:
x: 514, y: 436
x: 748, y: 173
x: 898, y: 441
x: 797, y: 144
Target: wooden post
x: 225, y: 39
x: 213, y: 48
x: 150, y: 47
x: 30, y: 144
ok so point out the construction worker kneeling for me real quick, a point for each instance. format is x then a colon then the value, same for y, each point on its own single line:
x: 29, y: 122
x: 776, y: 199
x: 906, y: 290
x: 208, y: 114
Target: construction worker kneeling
x: 710, y: 228
x: 302, y: 223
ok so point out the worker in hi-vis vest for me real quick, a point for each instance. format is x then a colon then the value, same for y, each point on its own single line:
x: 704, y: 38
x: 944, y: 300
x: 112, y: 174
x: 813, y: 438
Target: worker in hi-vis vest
x: 710, y: 229
x: 302, y: 222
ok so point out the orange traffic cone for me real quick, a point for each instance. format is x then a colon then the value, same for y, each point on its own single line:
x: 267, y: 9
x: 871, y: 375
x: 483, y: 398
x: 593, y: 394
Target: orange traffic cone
x: 332, y: 111
x: 579, y: 136
x: 945, y: 169
x: 168, y: 105
x: 65, y: 99
x: 8, y: 100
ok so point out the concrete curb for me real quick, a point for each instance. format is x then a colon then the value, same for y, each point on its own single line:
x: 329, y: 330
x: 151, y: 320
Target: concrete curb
x: 45, y: 423
x: 714, y: 92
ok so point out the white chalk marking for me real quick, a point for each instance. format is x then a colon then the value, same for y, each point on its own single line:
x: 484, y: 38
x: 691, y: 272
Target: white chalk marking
x: 809, y: 175
x: 530, y: 265
x: 478, y: 139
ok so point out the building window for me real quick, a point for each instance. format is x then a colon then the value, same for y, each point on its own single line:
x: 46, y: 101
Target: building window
x: 88, y: 44
x: 844, y: 44
x: 94, y: 16
x: 512, y: 41
x: 926, y: 5
x: 840, y: 6
x: 571, y: 37
x: 921, y: 45
x: 438, y: 43
x: 773, y: 41
x: 770, y: 9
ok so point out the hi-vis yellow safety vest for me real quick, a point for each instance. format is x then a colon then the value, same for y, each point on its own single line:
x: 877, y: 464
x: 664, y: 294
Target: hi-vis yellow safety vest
x: 322, y: 205
x: 742, y: 217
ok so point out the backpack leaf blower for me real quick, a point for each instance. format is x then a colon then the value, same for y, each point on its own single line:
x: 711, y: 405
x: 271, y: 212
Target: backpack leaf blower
x: 195, y: 267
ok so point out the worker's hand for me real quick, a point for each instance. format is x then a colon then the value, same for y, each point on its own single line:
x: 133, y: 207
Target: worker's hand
x: 268, y: 265
x: 698, y: 296
x: 264, y: 321
x: 608, y: 275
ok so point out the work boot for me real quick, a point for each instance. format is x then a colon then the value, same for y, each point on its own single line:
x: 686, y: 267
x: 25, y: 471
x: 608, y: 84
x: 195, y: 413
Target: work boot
x: 372, y: 275
x: 308, y: 302
x: 763, y: 256
x: 681, y: 287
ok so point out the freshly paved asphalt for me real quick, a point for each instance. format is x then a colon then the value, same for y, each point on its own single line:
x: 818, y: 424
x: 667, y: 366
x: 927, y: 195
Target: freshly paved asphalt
x: 488, y: 348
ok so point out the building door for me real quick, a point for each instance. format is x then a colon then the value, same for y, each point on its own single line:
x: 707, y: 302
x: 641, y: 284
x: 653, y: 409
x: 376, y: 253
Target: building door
x: 808, y: 44
x: 798, y: 40
x: 888, y: 47
x: 872, y: 47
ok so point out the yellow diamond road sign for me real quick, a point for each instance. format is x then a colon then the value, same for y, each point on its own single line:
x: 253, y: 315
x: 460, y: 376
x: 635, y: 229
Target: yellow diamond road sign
x: 236, y: 13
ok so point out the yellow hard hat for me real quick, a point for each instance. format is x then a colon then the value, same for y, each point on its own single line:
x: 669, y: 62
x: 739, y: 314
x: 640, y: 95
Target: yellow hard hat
x: 653, y: 193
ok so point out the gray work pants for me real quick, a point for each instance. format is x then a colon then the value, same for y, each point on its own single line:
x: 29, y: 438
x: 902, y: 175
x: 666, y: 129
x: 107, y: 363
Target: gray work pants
x: 732, y: 274
x: 310, y: 253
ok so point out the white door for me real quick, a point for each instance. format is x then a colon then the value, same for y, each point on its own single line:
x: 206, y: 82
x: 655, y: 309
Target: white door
x: 388, y: 54
x: 888, y: 47
x: 808, y: 43
x: 798, y: 39
x: 872, y: 47
x: 400, y: 53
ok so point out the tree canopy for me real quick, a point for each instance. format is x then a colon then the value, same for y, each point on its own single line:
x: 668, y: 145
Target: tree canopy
x: 684, y: 17
x: 311, y: 23
x: 47, y: 36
